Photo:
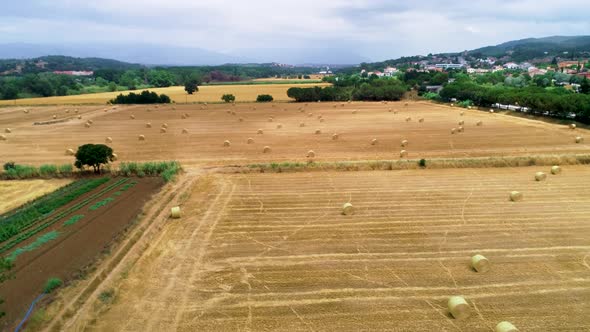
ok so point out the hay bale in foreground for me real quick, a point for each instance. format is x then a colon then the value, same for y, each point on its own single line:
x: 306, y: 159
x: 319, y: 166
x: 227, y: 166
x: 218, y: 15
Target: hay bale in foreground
x: 335, y: 137
x: 390, y: 110
x: 579, y: 139
x: 27, y: 111
x: 318, y: 132
x: 453, y: 130
x: 347, y: 209
x: 279, y: 126
x: 54, y: 116
x: 462, y: 122
x: 540, y: 176
x: 310, y: 154
x: 271, y: 119
x: 555, y: 170
x: 79, y: 117
x: 87, y: 125
x: 309, y: 115
x: 184, y: 131
x: 132, y: 117
x: 374, y: 141
x: 141, y: 137
x: 573, y: 126
x: 241, y: 119
x: 70, y: 152
x: 175, y: 212
x: 165, y: 125
x: 226, y: 143
x: 108, y: 140
x: 461, y: 129
x: 266, y: 149
x: 462, y: 113
x: 8, y: 130
x: 405, y: 143
x: 354, y: 112
x: 302, y: 124
x: 458, y: 307
x: 516, y: 196
x: 505, y: 327
x: 322, y: 120
x: 3, y: 138
x: 403, y: 154
x: 408, y: 119
x: 260, y: 132
x: 479, y: 123
x: 148, y: 125
x: 115, y: 157
x: 250, y: 140
x: 163, y: 130
x: 421, y: 120
x: 90, y: 121
x: 480, y: 264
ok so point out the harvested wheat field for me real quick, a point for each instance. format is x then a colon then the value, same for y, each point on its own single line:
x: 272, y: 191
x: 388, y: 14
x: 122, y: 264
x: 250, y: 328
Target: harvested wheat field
x: 207, y: 93
x: 274, y: 252
x: 195, y: 134
x: 16, y: 193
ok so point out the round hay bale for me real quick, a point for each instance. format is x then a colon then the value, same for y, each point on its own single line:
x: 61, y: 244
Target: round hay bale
x: 108, y: 140
x: 491, y: 111
x: 8, y: 130
x: 132, y: 117
x: 115, y: 157
x: 270, y: 119
x: 302, y: 124
x: 390, y: 110
x: 540, y: 176
x: 310, y: 154
x: 26, y: 111
x: 76, y: 111
x: 67, y: 111
x: 233, y: 113
x: 148, y: 125
x: 347, y: 209
x: 342, y: 104
x: 395, y: 111
x: 183, y: 117
x: 320, y: 117
x: 3, y: 138
x: 279, y: 126
x: 318, y: 131
x: 421, y: 120
x: 87, y: 125
x: 374, y: 141
x: 469, y: 107
x: 479, y: 123
x: 54, y: 117
x: 462, y: 113
x: 309, y: 115
x: 90, y: 121
x: 241, y: 119
x: 461, y: 123
x: 452, y: 105
x: 573, y: 126
x: 505, y: 327
x: 516, y: 196
x: 453, y: 131
x: 408, y: 119
x: 335, y: 137
x: 163, y: 130
x: 406, y: 104
x: 228, y: 112
x: 579, y: 139
x: 165, y: 125
x: 480, y: 264
x: 403, y: 154
x: 250, y: 140
x: 187, y: 115
x: 354, y: 112
x: 141, y: 137
x: 184, y: 131
x: 70, y: 152
x: 405, y: 143
x: 79, y: 117
x: 461, y: 129
x: 555, y: 170
x: 266, y: 149
x: 322, y: 120
x: 260, y: 132
x: 175, y: 212
x: 226, y: 144
x: 458, y: 307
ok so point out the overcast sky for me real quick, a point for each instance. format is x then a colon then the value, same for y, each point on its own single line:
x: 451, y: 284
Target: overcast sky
x: 268, y: 30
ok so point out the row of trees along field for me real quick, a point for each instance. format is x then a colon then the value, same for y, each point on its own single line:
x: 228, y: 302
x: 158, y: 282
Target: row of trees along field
x: 35, y: 83
x: 352, y: 87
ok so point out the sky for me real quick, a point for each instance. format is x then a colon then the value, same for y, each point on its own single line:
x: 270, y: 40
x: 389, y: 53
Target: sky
x: 283, y: 31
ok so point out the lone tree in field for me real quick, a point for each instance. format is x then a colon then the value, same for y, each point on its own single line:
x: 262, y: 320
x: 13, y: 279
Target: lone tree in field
x: 228, y: 98
x: 264, y: 98
x: 192, y: 86
x: 93, y: 155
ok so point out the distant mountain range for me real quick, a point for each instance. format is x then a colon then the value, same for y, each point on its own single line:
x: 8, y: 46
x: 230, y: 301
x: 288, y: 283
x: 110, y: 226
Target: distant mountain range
x: 148, y: 54
x: 527, y: 49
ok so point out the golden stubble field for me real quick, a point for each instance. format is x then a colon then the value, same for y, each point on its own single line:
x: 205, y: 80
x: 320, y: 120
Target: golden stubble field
x: 207, y: 127
x: 16, y: 193
x: 208, y: 93
x: 272, y: 252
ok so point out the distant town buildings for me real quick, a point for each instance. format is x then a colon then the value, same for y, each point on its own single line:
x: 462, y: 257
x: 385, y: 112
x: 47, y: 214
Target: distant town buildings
x: 449, y: 65
x: 74, y: 73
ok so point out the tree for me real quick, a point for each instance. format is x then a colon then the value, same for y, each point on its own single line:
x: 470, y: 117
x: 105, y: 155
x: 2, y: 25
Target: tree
x: 228, y: 98
x: 191, y: 86
x: 264, y: 98
x: 93, y: 155
x: 112, y: 86
x: 585, y: 86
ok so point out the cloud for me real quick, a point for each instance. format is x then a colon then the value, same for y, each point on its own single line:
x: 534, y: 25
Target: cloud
x: 373, y: 29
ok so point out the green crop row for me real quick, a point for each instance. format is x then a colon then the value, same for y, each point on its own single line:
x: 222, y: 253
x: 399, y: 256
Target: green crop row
x: 166, y: 169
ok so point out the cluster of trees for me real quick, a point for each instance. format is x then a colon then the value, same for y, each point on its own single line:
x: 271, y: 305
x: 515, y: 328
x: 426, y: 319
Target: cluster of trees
x: 352, y: 88
x: 553, y: 101
x: 264, y: 98
x: 43, y: 85
x: 145, y: 97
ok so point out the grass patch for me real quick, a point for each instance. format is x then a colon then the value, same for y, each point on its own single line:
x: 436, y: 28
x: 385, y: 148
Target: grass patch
x: 166, y: 169
x: 107, y: 296
x: 51, y: 285
x: 41, y: 240
x: 73, y: 220
x: 100, y: 204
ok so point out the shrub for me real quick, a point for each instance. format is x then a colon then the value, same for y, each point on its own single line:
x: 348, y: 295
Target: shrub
x: 51, y: 285
x: 9, y: 165
x: 228, y: 98
x: 66, y: 169
x: 422, y: 163
x: 107, y: 296
x: 465, y: 103
x: 264, y: 98
x: 145, y: 97
x: 48, y: 170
